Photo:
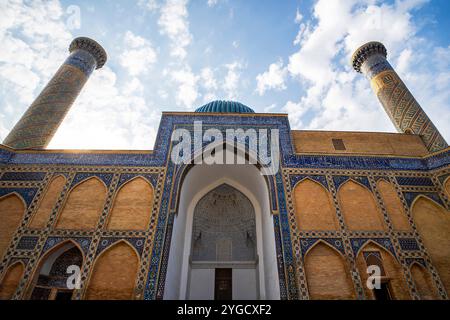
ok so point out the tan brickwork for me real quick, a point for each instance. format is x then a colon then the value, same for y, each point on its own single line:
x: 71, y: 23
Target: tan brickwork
x: 12, y: 210
x: 10, y: 281
x: 327, y: 274
x: 424, y: 283
x: 48, y: 202
x: 313, y: 207
x: 84, y: 206
x: 359, y: 207
x: 114, y: 274
x: 368, y: 143
x: 132, y: 206
x: 447, y: 187
x: 397, y: 282
x: 393, y: 205
x: 433, y: 223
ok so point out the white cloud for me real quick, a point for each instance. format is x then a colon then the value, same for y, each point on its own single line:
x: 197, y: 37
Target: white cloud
x: 208, y: 80
x: 139, y: 56
x: 231, y: 81
x: 111, y: 116
x: 212, y: 3
x: 187, y: 91
x: 174, y: 23
x: 274, y: 78
x: 150, y: 5
x: 298, y: 16
x: 336, y: 97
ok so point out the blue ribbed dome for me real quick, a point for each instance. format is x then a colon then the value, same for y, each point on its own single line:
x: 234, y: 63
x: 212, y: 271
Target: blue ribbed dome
x: 221, y: 106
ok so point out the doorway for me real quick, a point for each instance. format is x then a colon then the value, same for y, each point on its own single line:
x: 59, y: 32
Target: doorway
x: 223, y: 288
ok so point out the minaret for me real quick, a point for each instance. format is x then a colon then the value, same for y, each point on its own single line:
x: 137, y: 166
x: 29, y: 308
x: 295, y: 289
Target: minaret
x: 404, y: 111
x: 41, y: 120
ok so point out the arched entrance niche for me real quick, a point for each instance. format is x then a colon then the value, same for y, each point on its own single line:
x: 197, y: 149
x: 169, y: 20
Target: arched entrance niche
x: 200, y: 180
x: 50, y: 282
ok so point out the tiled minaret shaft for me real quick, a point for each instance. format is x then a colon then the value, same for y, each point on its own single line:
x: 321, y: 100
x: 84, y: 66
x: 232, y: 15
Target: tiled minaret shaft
x: 41, y: 120
x: 404, y: 111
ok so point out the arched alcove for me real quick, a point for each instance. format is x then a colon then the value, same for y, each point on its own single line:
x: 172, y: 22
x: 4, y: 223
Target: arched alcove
x: 114, y: 274
x: 433, y: 224
x: 359, y: 207
x: 11, y: 280
x: 327, y: 274
x: 83, y: 205
x: 47, y: 203
x: 52, y: 276
x: 314, y: 209
x: 132, y: 206
x: 12, y: 209
x: 424, y: 282
x: 198, y: 181
x: 391, y: 271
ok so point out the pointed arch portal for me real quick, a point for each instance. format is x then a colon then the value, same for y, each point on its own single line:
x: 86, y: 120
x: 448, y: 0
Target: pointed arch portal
x: 242, y: 256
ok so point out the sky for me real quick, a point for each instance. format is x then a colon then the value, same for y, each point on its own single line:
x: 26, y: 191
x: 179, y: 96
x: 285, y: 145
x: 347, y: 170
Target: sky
x: 289, y: 56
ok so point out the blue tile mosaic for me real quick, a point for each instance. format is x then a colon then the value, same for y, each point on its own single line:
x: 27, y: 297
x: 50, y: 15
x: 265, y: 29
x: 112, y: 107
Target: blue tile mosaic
x: 23, y: 176
x: 415, y: 181
x: 358, y: 243
x: 159, y: 156
x: 27, y: 243
x: 51, y: 242
x: 27, y: 194
x: 152, y: 178
x: 408, y: 244
x: 411, y: 196
x: 339, y: 180
x: 105, y: 177
x: 106, y: 242
x: 420, y: 261
x: 307, y: 243
x: 318, y: 178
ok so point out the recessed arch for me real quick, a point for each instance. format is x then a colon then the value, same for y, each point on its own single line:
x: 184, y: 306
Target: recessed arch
x: 11, y: 279
x: 393, y: 271
x: 447, y: 186
x: 49, y: 279
x: 84, y: 205
x: 327, y: 273
x: 114, y: 273
x: 370, y: 243
x: 313, y: 205
x: 12, y: 210
x: 424, y: 282
x: 359, y: 207
x: 433, y: 224
x: 132, y: 205
x: 195, y: 181
x: 48, y: 201
x: 239, y: 147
